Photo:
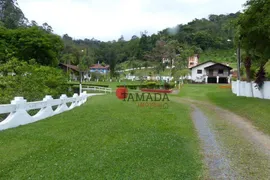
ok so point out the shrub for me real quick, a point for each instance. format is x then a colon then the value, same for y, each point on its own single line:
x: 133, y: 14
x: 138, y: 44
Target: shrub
x: 151, y: 85
x: 86, y: 84
x: 30, y: 81
x: 260, y: 77
x: 167, y: 86
x: 267, y: 69
x: 134, y: 87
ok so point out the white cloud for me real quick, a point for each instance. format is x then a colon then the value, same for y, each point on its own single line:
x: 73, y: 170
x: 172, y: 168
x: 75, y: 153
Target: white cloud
x: 109, y: 19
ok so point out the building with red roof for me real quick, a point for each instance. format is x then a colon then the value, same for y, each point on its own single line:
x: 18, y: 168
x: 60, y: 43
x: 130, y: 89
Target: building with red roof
x: 100, y: 69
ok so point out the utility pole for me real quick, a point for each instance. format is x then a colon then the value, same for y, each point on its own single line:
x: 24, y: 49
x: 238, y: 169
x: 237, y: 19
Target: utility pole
x: 238, y: 64
x: 238, y: 68
x: 238, y: 61
x: 80, y: 68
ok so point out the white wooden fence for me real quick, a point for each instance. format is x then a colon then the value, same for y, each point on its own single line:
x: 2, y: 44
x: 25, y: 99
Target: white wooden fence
x: 243, y: 88
x: 97, y: 88
x: 19, y: 107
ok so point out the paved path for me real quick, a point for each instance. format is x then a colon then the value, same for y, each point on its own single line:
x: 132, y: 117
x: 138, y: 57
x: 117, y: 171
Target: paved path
x: 176, y: 91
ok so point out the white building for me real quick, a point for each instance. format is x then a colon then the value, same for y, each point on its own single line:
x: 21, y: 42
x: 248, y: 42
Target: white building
x: 211, y: 72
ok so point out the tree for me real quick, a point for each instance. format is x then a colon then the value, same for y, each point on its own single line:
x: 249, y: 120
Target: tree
x: 159, y: 52
x: 253, y: 29
x: 247, y: 63
x: 173, y: 48
x: 86, y: 60
x: 134, y: 37
x: 47, y: 27
x: 11, y: 15
x: 30, y: 43
x: 181, y: 74
x: 267, y: 69
x: 160, y: 67
x: 30, y: 80
x: 111, y: 58
x: 121, y: 39
x: 260, y: 77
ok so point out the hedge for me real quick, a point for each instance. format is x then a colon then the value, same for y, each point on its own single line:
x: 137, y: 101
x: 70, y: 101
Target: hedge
x: 88, y: 84
x: 149, y: 86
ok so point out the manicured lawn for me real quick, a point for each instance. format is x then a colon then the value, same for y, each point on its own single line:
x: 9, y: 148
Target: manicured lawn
x: 198, y: 91
x: 106, y: 138
x: 112, y: 85
x: 145, y: 72
x: 254, y: 109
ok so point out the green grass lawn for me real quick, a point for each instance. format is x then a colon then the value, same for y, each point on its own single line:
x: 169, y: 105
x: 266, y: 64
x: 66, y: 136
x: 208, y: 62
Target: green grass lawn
x: 198, y: 91
x: 112, y: 85
x: 106, y: 138
x: 218, y: 55
x: 145, y: 72
x: 254, y: 109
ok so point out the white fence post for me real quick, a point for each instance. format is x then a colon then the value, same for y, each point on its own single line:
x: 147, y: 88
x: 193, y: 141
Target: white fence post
x: 19, y: 107
x: 62, y: 106
x: 19, y: 117
x: 45, y: 112
x: 238, y: 88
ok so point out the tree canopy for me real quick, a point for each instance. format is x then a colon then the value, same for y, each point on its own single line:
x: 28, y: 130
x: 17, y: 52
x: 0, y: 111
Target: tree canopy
x: 254, y: 29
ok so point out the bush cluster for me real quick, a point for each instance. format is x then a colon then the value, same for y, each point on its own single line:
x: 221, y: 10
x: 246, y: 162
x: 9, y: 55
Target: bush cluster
x: 76, y: 84
x: 31, y: 81
x: 150, y: 85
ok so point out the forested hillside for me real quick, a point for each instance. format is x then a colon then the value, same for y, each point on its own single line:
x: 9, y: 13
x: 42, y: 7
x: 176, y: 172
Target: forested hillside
x: 200, y: 35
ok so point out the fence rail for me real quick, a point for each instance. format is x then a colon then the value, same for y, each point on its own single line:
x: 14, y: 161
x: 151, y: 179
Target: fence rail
x: 97, y: 88
x: 18, y: 115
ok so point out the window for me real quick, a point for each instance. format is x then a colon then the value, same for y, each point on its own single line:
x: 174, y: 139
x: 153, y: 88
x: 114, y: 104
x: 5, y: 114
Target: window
x: 199, y: 71
x: 220, y: 71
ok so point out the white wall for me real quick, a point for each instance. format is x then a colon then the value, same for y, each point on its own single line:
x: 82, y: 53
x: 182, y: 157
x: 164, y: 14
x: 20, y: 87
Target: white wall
x: 19, y: 107
x: 165, y: 78
x: 245, y: 89
x: 199, y: 77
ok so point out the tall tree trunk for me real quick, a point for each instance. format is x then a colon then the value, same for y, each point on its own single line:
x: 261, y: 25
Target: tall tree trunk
x: 248, y: 72
x: 247, y: 67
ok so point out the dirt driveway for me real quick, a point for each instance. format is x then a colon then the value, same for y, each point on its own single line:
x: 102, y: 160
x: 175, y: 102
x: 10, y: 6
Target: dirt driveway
x: 233, y: 148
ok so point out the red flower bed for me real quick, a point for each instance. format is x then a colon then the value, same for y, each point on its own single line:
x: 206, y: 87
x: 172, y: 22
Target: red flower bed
x: 157, y: 90
x: 225, y: 87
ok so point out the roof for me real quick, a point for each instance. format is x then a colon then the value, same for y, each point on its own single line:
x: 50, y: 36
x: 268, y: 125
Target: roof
x: 202, y: 64
x: 99, y: 66
x: 220, y: 65
x: 75, y: 68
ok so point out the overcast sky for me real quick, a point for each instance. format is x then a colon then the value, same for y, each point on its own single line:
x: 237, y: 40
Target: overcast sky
x: 107, y: 20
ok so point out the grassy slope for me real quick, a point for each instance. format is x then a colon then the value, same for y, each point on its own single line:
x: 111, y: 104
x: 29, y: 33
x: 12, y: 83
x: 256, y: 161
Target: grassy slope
x: 218, y: 55
x: 254, y: 109
x: 222, y: 56
x: 145, y: 72
x: 104, y: 139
